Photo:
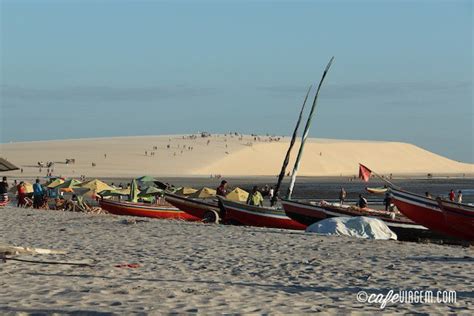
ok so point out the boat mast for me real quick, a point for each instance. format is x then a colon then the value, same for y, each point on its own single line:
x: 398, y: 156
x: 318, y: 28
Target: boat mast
x: 306, y: 130
x: 288, y: 153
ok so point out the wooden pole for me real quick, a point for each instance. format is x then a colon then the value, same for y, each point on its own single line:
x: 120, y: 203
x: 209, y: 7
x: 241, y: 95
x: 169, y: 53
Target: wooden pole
x: 288, y: 153
x: 306, y: 131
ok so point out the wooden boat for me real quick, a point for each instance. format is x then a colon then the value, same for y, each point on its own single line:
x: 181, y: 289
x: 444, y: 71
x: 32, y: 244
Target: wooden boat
x: 381, y: 190
x: 203, y: 209
x: 424, y: 211
x: 165, y: 211
x: 257, y: 216
x: 309, y: 213
x: 458, y: 216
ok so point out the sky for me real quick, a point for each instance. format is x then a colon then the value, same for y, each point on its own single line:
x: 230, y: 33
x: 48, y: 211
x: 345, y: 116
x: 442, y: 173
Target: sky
x: 402, y: 70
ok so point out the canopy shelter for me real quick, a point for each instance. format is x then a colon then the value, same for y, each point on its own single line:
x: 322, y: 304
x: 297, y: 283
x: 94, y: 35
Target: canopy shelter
x: 5, y: 165
x: 185, y: 191
x: 204, y: 193
x: 150, y: 191
x: 238, y: 195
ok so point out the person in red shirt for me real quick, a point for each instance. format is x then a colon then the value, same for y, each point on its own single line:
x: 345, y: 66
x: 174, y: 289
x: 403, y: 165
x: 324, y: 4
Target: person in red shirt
x: 452, y: 195
x: 21, y: 194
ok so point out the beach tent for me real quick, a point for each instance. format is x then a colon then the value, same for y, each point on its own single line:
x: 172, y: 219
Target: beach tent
x: 150, y: 191
x: 185, y: 191
x: 238, y: 195
x: 5, y: 165
x: 203, y: 193
x: 95, y: 185
x: 53, y: 184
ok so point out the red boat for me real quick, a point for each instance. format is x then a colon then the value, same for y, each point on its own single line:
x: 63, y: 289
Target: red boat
x: 458, y: 216
x: 257, y: 216
x: 145, y: 210
x: 204, y: 210
x: 309, y: 213
x: 424, y: 211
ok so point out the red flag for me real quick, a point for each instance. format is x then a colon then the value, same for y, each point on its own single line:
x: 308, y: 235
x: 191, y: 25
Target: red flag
x: 364, y: 172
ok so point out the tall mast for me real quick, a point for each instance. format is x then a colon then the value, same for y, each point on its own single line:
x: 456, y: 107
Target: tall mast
x: 306, y: 131
x: 288, y: 153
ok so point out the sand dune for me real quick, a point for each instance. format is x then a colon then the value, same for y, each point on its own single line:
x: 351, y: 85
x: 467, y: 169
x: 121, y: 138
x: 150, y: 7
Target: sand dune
x: 225, y: 155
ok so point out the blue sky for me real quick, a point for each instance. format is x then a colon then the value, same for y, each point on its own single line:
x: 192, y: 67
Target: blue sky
x: 402, y: 71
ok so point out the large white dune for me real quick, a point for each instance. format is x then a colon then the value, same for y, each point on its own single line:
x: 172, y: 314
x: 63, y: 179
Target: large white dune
x: 225, y: 155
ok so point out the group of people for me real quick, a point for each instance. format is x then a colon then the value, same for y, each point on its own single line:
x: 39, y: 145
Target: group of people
x: 453, y: 198
x: 22, y: 193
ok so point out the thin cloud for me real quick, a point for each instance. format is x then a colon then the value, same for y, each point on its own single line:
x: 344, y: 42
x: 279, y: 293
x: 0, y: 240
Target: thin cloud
x: 102, y: 93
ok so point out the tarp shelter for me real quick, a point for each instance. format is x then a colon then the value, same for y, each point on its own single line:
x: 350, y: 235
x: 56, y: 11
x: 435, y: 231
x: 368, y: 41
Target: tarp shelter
x: 5, y: 165
x: 185, y: 191
x: 204, y: 193
x: 238, y: 195
x: 359, y: 226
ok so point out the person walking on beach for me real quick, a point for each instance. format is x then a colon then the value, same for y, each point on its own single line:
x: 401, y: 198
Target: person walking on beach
x: 38, y: 193
x: 387, y: 201
x: 255, y: 197
x: 459, y: 200
x: 342, y: 196
x: 452, y: 195
x: 4, y: 190
x: 222, y: 189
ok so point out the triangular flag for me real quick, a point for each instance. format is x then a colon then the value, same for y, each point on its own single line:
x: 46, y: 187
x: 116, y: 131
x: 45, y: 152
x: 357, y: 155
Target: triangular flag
x: 364, y: 172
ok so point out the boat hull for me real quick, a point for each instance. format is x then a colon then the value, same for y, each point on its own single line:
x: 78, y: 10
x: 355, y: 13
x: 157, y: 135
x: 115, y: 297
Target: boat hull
x: 258, y: 216
x: 424, y: 211
x: 308, y: 214
x: 145, y: 210
x: 459, y: 216
x: 192, y: 207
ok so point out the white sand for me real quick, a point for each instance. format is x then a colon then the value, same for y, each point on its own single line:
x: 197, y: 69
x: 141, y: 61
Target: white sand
x: 126, y: 157
x: 212, y: 269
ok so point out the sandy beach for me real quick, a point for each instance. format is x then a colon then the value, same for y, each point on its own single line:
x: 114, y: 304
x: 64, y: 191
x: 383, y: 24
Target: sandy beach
x: 187, y: 267
x: 226, y: 155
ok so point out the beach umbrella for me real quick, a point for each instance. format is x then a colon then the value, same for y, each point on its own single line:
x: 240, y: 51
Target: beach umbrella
x: 68, y: 185
x: 28, y: 186
x: 204, y: 193
x: 150, y: 191
x: 184, y: 191
x: 55, y: 183
x: 237, y: 195
x: 95, y: 185
x: 134, y: 191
